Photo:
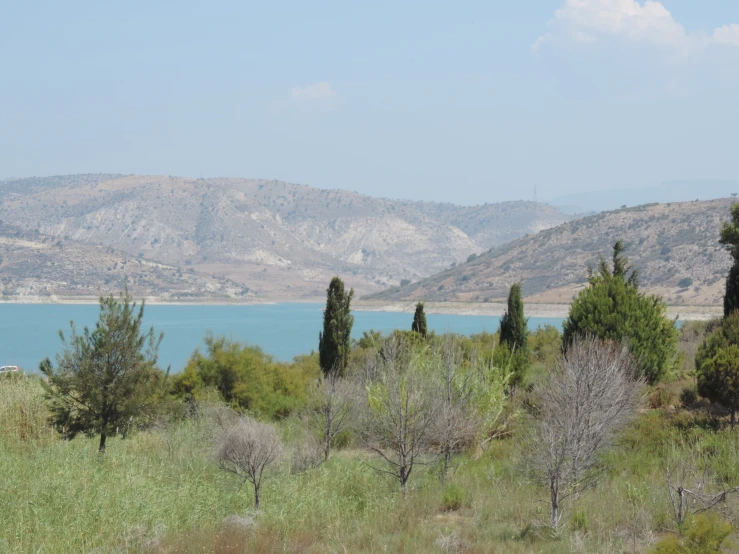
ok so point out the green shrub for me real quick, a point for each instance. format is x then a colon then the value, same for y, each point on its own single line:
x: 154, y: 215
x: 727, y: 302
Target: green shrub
x: 613, y: 308
x: 579, y: 521
x: 706, y: 533
x: 703, y: 534
x: 247, y: 378
x: 662, y: 398
x: 453, y: 498
x: 688, y: 396
x: 669, y: 545
x: 545, y: 345
x: 717, y: 365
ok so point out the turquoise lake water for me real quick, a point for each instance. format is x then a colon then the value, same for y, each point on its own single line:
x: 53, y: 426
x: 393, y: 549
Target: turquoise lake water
x: 29, y: 332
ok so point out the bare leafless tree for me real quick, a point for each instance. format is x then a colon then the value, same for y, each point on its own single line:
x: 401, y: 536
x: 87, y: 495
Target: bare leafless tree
x: 247, y: 449
x: 471, y: 396
x: 457, y: 423
x: 592, y: 393
x: 330, y: 408
x: 693, y: 492
x: 400, y: 412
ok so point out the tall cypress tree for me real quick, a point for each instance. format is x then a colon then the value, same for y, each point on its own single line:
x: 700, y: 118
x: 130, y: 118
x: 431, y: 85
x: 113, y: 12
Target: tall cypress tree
x: 730, y: 239
x: 513, y: 324
x: 419, y: 321
x: 334, y: 342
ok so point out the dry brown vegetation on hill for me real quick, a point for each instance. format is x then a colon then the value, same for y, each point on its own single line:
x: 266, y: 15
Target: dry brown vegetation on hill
x: 674, y: 246
x: 278, y: 239
x: 41, y: 267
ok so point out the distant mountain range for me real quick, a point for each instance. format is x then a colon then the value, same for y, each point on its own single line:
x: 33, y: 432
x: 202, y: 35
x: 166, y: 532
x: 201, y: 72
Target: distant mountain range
x: 177, y: 237
x: 674, y: 246
x: 669, y: 191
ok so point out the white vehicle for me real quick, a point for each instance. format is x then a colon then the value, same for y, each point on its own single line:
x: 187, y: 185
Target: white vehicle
x: 9, y: 369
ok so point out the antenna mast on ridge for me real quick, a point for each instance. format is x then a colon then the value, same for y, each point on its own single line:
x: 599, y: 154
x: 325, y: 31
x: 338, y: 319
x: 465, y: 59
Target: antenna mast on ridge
x: 534, y: 193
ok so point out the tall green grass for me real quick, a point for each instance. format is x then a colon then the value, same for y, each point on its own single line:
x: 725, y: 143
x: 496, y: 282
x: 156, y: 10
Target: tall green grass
x: 160, y: 491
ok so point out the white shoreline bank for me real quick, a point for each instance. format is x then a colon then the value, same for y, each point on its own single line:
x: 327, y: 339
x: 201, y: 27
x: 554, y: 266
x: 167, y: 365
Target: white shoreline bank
x: 683, y: 312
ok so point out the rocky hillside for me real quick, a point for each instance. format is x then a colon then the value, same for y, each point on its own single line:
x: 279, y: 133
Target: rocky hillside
x: 36, y: 266
x: 278, y: 239
x: 674, y: 246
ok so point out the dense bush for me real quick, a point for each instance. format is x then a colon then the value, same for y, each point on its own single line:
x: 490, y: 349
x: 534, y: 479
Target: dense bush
x: 689, y: 396
x: 730, y: 239
x: 717, y: 365
x: 613, y: 308
x: 247, y: 378
x: 704, y: 534
x: 545, y: 345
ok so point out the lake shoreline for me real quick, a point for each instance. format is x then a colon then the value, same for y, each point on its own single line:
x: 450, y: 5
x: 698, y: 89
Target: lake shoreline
x: 495, y: 309
x: 684, y: 313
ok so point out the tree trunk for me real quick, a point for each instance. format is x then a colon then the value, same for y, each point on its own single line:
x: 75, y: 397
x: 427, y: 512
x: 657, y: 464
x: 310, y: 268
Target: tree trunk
x: 327, y: 446
x: 554, y: 494
x: 733, y: 418
x: 404, y: 481
x: 101, y: 448
x: 445, y: 467
x: 256, y: 498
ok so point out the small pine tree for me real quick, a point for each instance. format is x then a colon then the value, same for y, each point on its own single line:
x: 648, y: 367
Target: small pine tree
x: 717, y: 365
x: 334, y: 342
x: 419, y: 321
x: 105, y: 376
x: 613, y: 308
x: 730, y: 239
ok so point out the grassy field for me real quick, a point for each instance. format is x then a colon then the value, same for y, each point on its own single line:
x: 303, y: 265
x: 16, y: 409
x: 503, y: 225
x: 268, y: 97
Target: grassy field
x: 160, y: 491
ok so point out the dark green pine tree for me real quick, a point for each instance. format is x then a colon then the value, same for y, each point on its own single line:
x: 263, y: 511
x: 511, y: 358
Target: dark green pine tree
x: 419, y: 321
x: 334, y: 341
x: 514, y: 336
x: 730, y: 239
x: 717, y: 365
x: 613, y: 308
x: 513, y: 324
x: 107, y: 376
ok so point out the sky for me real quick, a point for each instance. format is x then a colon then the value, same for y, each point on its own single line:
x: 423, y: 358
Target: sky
x: 466, y: 102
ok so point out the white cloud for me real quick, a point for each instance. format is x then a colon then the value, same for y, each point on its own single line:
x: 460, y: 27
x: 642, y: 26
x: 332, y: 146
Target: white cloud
x: 728, y: 34
x: 317, y: 92
x: 308, y: 100
x: 631, y: 20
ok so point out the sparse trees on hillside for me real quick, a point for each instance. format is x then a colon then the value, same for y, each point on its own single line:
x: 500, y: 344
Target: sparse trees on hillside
x: 105, y: 376
x: 248, y: 449
x: 717, y: 365
x: 730, y: 239
x: 613, y: 308
x: 419, y: 321
x: 592, y: 393
x: 334, y: 342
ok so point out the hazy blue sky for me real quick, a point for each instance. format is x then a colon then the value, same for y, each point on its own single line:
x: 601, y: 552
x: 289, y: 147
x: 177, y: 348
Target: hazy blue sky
x: 470, y: 102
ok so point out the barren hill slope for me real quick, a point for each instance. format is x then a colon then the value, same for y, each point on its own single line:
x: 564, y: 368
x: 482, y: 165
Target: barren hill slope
x: 280, y: 239
x: 36, y: 266
x: 674, y: 246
